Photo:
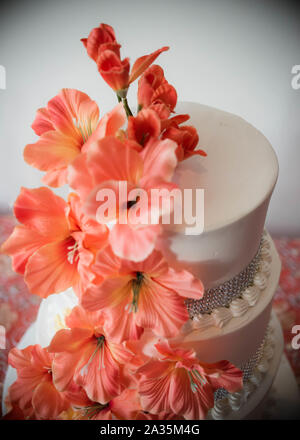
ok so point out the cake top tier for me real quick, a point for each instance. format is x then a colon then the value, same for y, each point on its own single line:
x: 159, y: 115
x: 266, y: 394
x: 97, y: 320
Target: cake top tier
x: 240, y: 169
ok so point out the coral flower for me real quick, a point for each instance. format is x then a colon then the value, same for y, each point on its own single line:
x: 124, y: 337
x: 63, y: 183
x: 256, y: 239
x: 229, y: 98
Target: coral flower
x: 65, y: 128
x: 116, y: 71
x: 177, y: 382
x: 155, y: 92
x: 110, y: 162
x: 101, y: 36
x: 34, y: 392
x: 143, y: 127
x: 55, y: 244
x: 102, y: 47
x: 148, y: 295
x: 85, y: 353
x: 186, y: 137
x: 126, y: 406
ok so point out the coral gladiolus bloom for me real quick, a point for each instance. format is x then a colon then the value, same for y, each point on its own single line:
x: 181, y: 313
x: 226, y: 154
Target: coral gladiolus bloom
x: 116, y: 71
x: 148, y: 295
x: 102, y: 47
x: 187, y: 139
x: 85, y: 353
x: 144, y: 126
x: 34, y: 392
x: 155, y: 92
x: 181, y: 384
x: 65, y: 128
x: 55, y: 244
x: 108, y: 162
x: 126, y: 406
x: 102, y: 36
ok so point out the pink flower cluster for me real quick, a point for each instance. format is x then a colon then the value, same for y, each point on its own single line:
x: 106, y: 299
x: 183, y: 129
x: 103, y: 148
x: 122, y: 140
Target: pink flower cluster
x: 117, y: 357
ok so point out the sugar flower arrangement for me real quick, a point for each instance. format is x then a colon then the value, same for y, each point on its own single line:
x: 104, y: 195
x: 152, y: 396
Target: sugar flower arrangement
x: 119, y: 354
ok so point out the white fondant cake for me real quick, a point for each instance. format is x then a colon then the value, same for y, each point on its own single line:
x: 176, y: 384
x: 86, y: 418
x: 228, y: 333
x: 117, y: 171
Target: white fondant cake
x: 238, y: 177
x: 232, y: 256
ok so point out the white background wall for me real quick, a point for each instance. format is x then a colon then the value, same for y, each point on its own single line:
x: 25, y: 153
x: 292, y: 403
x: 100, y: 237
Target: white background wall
x: 235, y: 55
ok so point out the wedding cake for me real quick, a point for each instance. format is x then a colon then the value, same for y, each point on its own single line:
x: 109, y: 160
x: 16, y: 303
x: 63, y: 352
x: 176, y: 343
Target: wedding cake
x: 229, y: 344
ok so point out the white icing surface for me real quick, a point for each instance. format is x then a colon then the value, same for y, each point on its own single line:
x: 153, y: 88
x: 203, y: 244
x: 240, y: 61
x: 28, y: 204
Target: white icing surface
x: 240, y: 169
x: 238, y: 176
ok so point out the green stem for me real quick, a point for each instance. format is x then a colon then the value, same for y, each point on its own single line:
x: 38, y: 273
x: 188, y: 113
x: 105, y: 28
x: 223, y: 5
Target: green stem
x: 126, y: 107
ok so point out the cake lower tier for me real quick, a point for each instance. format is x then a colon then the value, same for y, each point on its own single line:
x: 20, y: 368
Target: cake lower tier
x: 238, y: 332
x: 228, y: 406
x: 247, y: 402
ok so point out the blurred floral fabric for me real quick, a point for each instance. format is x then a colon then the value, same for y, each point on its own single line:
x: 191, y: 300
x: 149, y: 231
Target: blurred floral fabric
x: 18, y: 308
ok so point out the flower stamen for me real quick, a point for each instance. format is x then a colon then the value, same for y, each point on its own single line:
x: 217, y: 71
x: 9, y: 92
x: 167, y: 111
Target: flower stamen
x: 73, y: 254
x: 91, y: 411
x: 99, y: 345
x: 136, y: 287
x: 195, y: 377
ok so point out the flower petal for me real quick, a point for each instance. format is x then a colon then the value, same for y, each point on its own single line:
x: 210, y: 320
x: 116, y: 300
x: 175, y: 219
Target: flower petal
x: 160, y: 309
x: 81, y: 318
x: 182, y: 400
x: 48, y: 402
x: 70, y: 340
x: 183, y: 283
x: 63, y: 368
x: 49, y: 271
x: 42, y: 122
x: 223, y: 374
x: 79, y: 176
x: 56, y: 178
x: 74, y: 114
x: 109, y: 159
x: 108, y: 294
x: 167, y: 94
x: 99, y: 375
x: 160, y: 160
x: 114, y: 71
x: 107, y: 263
x: 52, y: 151
x: 154, y: 266
x: 148, y: 83
x: 127, y: 328
x: 126, y: 406
x: 133, y: 244
x: 144, y: 126
x: 142, y: 63
x: 107, y: 126
x: 42, y: 210
x: 21, y: 244
x: 98, y: 36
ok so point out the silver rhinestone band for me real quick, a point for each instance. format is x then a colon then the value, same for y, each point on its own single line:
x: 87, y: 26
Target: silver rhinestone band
x: 224, y: 294
x: 247, y: 367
